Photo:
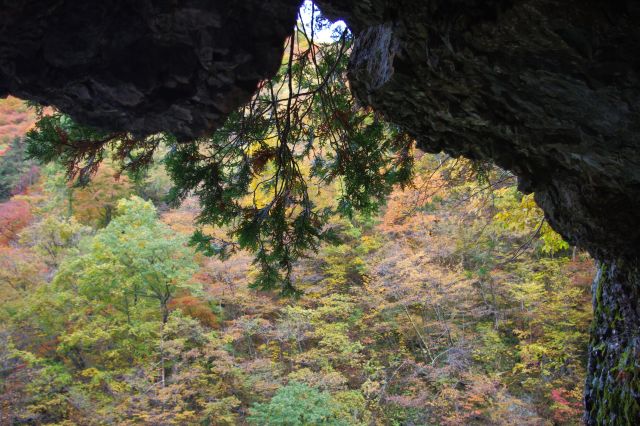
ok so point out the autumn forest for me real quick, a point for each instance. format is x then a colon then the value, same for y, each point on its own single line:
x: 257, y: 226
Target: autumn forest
x: 455, y: 304
x: 306, y: 264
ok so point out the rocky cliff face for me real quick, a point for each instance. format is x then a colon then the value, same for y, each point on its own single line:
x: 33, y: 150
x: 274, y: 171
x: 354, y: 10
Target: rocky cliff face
x: 142, y: 66
x: 549, y: 89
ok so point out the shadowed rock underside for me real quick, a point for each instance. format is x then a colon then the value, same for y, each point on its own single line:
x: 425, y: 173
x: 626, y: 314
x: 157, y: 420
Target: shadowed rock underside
x: 142, y: 66
x: 547, y: 89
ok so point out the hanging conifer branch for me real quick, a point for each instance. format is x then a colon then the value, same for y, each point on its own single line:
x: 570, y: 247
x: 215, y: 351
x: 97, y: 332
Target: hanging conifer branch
x: 302, y: 128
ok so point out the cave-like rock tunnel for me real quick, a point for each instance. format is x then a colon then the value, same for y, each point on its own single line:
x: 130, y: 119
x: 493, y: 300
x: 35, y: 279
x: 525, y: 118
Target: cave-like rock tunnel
x: 548, y: 89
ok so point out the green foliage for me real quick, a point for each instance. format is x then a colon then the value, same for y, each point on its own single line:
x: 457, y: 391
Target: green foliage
x: 345, y: 263
x: 133, y: 260
x: 154, y: 184
x: 519, y: 213
x: 248, y: 175
x: 296, y: 405
x: 442, y: 316
x: 81, y: 149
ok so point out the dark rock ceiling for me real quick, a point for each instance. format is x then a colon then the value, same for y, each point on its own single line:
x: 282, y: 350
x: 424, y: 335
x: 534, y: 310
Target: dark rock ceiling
x: 145, y: 65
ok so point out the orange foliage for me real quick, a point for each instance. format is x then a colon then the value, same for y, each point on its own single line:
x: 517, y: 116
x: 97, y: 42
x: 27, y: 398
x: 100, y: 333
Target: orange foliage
x: 180, y: 220
x: 196, y: 308
x: 14, y: 216
x: 95, y: 203
x: 15, y: 120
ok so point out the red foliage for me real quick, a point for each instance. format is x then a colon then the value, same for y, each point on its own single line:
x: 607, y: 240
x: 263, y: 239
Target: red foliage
x: 564, y: 410
x: 14, y: 216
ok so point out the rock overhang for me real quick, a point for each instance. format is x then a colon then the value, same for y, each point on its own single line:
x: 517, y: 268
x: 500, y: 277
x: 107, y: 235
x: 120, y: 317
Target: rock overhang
x: 144, y: 66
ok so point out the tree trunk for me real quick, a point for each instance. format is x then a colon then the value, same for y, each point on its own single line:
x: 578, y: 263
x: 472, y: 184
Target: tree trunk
x: 612, y: 391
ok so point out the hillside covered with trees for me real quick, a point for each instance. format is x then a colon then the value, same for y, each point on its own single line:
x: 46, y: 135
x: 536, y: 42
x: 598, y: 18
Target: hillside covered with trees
x: 304, y: 264
x: 453, y: 304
